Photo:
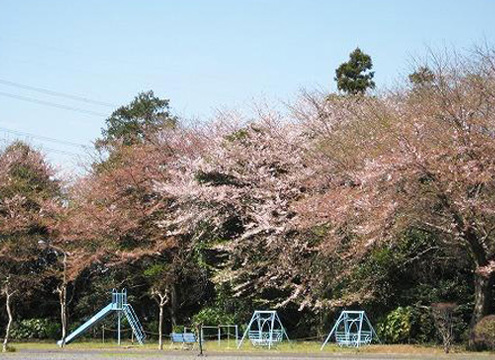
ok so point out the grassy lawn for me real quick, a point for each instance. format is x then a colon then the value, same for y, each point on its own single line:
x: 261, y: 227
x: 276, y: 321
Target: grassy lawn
x: 213, y: 346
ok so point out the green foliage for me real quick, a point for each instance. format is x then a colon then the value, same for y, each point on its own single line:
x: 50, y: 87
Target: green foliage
x: 483, y: 336
x: 155, y: 270
x: 129, y: 124
x: 396, y: 327
x: 213, y: 316
x: 29, y: 175
x: 35, y: 329
x: 423, y: 76
x: 215, y: 178
x: 422, y: 326
x: 354, y: 77
x: 178, y: 329
x: 223, y: 309
x: 423, y: 329
x: 239, y: 135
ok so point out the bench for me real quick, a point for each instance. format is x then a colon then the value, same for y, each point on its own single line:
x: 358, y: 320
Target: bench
x: 186, y: 339
x: 263, y: 338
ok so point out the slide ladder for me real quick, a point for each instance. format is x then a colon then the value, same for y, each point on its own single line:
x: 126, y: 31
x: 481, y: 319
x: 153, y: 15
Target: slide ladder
x: 119, y: 304
x: 136, y: 326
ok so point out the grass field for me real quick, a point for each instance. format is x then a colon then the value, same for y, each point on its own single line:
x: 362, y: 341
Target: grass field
x: 303, y: 347
x: 82, y: 350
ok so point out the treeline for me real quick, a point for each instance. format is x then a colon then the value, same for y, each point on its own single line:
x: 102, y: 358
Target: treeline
x: 381, y: 202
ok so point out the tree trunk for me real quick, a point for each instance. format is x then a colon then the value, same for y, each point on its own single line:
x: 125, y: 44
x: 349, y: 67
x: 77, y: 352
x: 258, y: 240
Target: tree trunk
x: 161, y: 298
x: 483, y: 297
x: 62, y: 296
x: 160, y: 328
x: 173, y: 306
x: 8, y: 294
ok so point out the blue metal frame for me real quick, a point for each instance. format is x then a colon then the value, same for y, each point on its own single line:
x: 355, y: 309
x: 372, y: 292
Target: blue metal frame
x: 352, y: 328
x: 120, y: 305
x: 268, y: 329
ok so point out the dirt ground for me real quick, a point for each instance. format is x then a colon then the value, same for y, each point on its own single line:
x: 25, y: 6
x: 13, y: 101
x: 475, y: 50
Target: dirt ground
x: 76, y: 354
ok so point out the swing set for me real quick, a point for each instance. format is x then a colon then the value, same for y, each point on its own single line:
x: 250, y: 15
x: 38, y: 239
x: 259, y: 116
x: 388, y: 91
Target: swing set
x: 264, y: 329
x: 352, y: 328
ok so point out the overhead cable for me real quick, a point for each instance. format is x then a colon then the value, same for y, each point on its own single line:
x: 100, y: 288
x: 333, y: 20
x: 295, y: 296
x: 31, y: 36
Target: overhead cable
x: 48, y: 103
x: 41, y: 137
x: 56, y: 93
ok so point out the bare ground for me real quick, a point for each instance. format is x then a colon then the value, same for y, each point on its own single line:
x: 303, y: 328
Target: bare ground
x: 78, y: 354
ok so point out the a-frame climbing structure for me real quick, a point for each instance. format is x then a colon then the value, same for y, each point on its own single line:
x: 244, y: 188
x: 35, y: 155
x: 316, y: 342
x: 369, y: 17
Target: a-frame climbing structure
x: 264, y: 329
x: 119, y: 305
x: 352, y: 328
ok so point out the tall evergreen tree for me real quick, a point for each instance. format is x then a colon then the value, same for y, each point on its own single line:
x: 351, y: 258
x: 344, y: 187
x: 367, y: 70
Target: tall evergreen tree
x: 355, y: 76
x: 129, y: 123
x: 422, y: 77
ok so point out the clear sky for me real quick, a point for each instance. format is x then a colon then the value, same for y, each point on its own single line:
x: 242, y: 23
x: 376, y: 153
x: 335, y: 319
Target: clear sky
x: 202, y: 54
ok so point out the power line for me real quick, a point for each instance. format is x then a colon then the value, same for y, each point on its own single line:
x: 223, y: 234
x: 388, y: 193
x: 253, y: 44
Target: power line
x: 44, y: 148
x: 57, y: 93
x: 62, y: 152
x: 46, y: 138
x: 48, y: 103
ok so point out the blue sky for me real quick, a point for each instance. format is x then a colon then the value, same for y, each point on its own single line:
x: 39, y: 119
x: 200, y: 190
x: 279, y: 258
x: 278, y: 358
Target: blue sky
x: 201, y: 54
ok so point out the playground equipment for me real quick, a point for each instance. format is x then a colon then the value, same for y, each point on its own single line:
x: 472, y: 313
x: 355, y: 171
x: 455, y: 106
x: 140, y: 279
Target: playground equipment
x: 353, y: 328
x: 218, y: 330
x: 120, y: 305
x: 264, y: 329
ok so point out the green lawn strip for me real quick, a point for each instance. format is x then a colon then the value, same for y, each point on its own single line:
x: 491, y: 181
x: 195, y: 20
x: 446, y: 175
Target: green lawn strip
x: 224, y: 347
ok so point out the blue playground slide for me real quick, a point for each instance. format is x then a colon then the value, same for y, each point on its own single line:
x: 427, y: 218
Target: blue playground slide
x: 93, y: 321
x: 118, y: 304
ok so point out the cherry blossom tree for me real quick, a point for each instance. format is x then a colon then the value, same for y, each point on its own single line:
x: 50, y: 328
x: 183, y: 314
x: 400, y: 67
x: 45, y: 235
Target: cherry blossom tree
x: 117, y: 208
x: 28, y: 191
x: 236, y: 194
x: 420, y: 158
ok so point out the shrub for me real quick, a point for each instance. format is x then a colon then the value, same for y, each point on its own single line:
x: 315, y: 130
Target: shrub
x: 422, y: 327
x: 35, y: 329
x: 483, y: 335
x: 396, y: 328
x: 444, y: 318
x: 152, y: 327
x: 178, y: 328
x: 213, y: 316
